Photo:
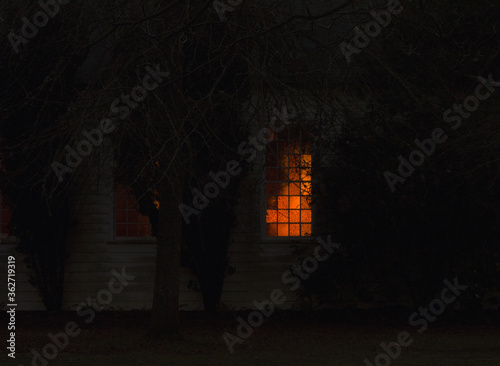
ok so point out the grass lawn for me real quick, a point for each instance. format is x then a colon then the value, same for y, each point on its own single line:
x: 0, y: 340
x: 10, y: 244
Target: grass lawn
x: 283, y: 339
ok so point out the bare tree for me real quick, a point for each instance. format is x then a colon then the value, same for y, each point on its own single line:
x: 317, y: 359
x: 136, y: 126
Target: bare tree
x: 208, y: 81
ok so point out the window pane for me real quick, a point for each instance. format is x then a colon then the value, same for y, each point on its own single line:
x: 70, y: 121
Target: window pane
x: 305, y: 216
x: 284, y: 161
x: 282, y: 147
x: 272, y: 216
x: 132, y: 230
x: 121, y: 216
x: 272, y: 173
x: 283, y: 216
x: 272, y: 189
x: 294, y: 160
x: 272, y: 202
x: 121, y: 202
x: 295, y: 215
x: 294, y: 174
x: 144, y: 230
x: 283, y: 202
x: 282, y: 229
x: 6, y: 215
x: 128, y: 221
x: 288, y: 186
x: 271, y: 160
x: 5, y: 233
x: 272, y: 229
x: 283, y: 189
x: 305, y: 229
x: 143, y: 219
x: 305, y: 189
x: 282, y: 174
x: 132, y: 216
x: 294, y: 189
x: 295, y: 202
x: 304, y: 202
x: 294, y: 230
x: 121, y: 229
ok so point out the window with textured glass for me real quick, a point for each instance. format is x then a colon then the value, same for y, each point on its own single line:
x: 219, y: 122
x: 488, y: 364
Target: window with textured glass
x: 288, y: 185
x: 128, y: 221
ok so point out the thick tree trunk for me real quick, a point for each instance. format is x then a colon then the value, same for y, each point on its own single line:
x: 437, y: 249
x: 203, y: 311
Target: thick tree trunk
x: 165, y: 308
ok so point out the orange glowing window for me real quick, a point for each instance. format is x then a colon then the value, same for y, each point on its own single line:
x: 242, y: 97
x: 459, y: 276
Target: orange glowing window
x: 288, y: 185
x: 5, y: 215
x: 128, y: 221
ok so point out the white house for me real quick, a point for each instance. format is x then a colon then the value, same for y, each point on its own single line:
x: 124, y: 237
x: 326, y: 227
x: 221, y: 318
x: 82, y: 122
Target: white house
x: 274, y: 216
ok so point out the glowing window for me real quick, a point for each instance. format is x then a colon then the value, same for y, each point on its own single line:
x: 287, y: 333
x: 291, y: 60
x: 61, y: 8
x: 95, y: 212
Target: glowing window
x: 128, y: 221
x: 288, y: 185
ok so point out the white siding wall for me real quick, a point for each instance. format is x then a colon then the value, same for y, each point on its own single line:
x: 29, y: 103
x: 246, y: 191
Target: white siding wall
x: 259, y: 265
x: 93, y: 254
x: 26, y: 297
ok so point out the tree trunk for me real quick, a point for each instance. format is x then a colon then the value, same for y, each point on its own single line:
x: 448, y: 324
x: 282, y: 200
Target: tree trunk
x: 165, y: 308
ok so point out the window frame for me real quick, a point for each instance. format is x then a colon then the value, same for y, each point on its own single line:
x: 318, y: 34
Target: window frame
x: 126, y: 239
x: 263, y: 201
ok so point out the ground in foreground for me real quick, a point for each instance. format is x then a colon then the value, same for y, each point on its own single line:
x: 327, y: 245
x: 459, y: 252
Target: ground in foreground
x: 119, y: 339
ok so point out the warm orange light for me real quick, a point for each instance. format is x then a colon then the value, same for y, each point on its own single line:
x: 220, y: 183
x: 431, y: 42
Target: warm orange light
x: 288, y: 190
x: 295, y: 216
x: 294, y: 230
x: 282, y: 201
x: 283, y: 216
x: 283, y: 230
x: 272, y: 216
